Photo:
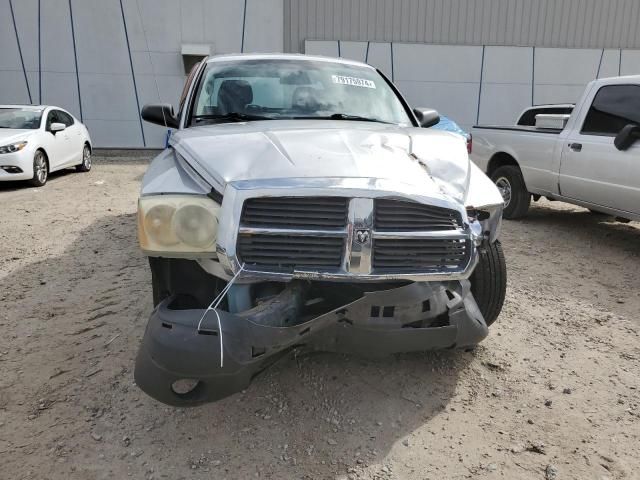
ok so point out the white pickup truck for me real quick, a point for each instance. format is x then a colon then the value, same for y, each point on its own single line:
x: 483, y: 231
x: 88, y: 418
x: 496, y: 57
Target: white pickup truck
x: 588, y: 157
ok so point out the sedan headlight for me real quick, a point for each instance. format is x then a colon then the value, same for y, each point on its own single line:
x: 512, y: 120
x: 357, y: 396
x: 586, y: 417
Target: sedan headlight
x: 175, y: 225
x: 13, y: 147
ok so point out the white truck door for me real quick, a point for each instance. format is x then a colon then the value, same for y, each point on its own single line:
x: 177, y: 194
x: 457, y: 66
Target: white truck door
x: 592, y: 169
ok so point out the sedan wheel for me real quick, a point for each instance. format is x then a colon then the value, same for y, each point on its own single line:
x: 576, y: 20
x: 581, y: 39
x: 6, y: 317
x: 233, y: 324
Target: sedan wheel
x: 85, y: 166
x: 40, y: 169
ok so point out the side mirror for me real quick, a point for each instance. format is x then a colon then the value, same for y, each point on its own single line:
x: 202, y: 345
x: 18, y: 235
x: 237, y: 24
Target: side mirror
x: 57, y: 127
x: 161, y: 114
x: 427, y: 117
x: 627, y: 137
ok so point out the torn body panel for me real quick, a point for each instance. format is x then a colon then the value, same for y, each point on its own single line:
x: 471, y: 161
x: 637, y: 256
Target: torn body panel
x: 222, y: 357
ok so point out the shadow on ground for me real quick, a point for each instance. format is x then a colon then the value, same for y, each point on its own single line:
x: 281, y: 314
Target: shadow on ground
x: 73, y: 324
x: 6, y: 186
x: 583, y: 225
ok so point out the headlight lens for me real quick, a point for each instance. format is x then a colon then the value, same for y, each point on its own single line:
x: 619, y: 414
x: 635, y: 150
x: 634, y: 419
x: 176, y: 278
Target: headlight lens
x: 177, y: 224
x: 157, y: 224
x: 13, y: 147
x: 195, y: 225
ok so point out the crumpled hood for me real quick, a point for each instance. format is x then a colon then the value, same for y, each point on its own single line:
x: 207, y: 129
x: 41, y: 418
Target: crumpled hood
x: 11, y: 135
x: 433, y: 160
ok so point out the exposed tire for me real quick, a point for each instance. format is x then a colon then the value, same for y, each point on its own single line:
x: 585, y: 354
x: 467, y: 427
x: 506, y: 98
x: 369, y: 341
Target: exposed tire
x: 489, y: 281
x: 40, y: 169
x: 509, y: 181
x: 85, y: 166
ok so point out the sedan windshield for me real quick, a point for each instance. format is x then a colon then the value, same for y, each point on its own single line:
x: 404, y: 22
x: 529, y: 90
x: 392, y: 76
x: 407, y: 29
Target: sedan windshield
x: 295, y: 89
x: 20, y: 118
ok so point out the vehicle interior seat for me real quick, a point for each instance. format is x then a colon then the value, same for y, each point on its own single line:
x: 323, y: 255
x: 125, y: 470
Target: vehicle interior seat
x: 305, y: 99
x: 234, y: 96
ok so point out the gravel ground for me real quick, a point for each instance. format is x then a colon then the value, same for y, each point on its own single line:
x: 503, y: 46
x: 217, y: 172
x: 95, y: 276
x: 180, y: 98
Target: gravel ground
x: 552, y: 393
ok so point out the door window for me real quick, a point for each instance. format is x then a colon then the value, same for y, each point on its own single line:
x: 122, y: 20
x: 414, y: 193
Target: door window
x: 65, y: 118
x: 613, y: 108
x: 52, y: 117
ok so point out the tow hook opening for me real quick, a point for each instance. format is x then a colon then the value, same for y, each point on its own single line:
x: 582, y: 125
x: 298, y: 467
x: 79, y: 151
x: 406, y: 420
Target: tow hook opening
x: 185, y: 387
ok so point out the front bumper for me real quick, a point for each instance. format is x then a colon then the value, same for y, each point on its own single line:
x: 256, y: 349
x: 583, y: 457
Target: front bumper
x: 22, y: 160
x: 230, y: 349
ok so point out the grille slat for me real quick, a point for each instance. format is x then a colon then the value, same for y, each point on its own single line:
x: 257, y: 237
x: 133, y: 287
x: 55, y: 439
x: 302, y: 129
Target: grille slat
x: 419, y: 254
x: 286, y: 252
x: 296, y: 212
x: 290, y: 251
x: 426, y: 253
x: 403, y: 216
x: 276, y: 240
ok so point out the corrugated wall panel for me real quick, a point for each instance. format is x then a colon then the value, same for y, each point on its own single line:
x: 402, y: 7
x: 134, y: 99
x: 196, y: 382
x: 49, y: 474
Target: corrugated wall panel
x: 541, y: 23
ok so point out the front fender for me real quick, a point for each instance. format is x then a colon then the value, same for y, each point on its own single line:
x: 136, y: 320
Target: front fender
x: 483, y: 196
x: 169, y: 174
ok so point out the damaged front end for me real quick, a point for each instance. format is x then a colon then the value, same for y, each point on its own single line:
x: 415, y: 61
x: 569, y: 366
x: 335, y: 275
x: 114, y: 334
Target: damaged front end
x: 219, y: 351
x: 313, y: 264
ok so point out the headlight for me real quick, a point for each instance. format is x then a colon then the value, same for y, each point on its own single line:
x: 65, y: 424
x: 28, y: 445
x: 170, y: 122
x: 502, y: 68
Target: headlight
x: 13, y: 147
x: 177, y: 224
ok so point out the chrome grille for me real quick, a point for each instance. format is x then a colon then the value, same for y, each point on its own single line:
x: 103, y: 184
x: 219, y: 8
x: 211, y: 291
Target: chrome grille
x: 295, y: 212
x: 284, y: 252
x: 403, y: 216
x: 286, y: 233
x: 360, y: 238
x: 420, y: 254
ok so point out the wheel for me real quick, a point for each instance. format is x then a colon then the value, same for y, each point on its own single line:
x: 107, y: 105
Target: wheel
x: 489, y: 281
x: 514, y: 192
x: 40, y: 169
x: 85, y: 166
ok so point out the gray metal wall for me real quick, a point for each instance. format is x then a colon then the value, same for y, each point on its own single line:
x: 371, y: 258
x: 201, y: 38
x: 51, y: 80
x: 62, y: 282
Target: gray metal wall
x: 484, y: 84
x: 542, y: 23
x: 103, y: 59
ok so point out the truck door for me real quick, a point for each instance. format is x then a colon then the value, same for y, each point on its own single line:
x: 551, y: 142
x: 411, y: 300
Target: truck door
x: 592, y: 169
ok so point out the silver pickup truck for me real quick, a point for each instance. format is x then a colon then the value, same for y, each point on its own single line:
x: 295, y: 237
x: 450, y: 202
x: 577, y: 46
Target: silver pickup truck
x: 588, y: 157
x: 302, y: 205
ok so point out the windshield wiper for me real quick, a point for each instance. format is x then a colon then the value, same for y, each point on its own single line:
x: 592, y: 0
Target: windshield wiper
x: 342, y: 116
x: 232, y: 116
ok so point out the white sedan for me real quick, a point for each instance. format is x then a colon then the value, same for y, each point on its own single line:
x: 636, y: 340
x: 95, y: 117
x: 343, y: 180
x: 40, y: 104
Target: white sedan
x: 37, y: 140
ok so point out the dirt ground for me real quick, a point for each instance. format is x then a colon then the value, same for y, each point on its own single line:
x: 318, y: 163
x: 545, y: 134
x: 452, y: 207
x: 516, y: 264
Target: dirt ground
x: 553, y: 393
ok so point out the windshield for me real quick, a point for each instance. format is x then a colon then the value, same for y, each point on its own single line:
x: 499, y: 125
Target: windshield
x: 285, y: 89
x: 20, y: 118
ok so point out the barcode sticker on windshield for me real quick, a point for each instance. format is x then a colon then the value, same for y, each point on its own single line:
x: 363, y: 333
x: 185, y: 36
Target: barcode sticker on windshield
x: 353, y: 81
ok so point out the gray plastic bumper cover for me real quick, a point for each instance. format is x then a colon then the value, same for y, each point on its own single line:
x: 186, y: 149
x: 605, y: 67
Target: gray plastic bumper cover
x: 173, y: 349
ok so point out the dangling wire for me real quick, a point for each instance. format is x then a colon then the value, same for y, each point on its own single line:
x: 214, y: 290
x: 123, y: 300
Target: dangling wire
x: 213, y: 305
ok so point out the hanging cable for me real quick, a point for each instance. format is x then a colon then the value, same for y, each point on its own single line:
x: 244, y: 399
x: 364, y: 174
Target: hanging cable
x: 214, y: 305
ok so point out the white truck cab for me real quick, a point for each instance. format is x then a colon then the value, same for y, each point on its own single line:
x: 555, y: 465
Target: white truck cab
x: 594, y: 161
